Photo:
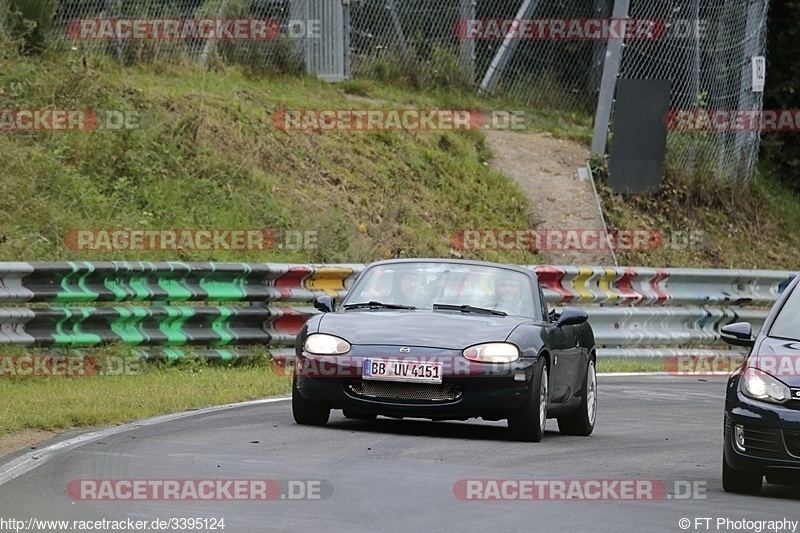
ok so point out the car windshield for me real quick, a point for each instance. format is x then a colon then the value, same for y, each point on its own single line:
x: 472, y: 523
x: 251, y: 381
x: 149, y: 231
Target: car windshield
x: 787, y: 323
x: 441, y: 287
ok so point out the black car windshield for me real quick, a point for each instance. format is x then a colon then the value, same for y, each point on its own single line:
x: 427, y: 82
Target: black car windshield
x: 787, y: 323
x: 425, y: 285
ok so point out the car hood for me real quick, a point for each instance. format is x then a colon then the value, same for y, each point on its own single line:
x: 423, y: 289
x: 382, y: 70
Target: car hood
x: 781, y: 358
x: 439, y: 329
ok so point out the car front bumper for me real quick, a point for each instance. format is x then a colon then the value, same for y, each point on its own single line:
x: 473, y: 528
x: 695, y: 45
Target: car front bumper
x: 467, y: 391
x: 771, y: 434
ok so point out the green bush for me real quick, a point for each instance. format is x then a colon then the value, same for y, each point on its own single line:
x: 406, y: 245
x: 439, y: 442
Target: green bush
x: 28, y: 22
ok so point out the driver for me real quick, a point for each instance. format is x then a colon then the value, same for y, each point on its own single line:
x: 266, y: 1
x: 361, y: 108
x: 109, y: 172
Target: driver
x: 510, y: 295
x: 410, y: 285
x: 408, y: 289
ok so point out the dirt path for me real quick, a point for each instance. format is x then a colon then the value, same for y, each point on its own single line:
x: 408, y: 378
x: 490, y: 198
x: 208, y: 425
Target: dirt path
x: 23, y: 439
x: 546, y: 169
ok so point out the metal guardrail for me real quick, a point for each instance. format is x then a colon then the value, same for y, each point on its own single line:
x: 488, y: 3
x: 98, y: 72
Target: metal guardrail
x: 635, y: 312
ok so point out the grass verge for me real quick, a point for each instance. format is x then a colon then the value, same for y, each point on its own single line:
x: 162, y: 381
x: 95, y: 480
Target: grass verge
x: 54, y: 403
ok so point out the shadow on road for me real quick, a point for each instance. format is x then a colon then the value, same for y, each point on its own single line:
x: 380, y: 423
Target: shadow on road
x: 450, y: 429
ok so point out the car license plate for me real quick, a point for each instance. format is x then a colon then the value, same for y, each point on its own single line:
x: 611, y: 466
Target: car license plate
x: 397, y: 370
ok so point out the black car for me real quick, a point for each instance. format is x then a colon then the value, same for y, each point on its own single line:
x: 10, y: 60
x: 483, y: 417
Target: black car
x: 447, y: 340
x: 762, y: 404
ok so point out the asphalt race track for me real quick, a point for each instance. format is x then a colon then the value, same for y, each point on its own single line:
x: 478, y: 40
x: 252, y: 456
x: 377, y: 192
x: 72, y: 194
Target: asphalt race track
x: 400, y: 475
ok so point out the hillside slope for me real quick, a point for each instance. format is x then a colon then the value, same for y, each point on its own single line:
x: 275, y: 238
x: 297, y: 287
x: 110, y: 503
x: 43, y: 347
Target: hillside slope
x: 207, y: 156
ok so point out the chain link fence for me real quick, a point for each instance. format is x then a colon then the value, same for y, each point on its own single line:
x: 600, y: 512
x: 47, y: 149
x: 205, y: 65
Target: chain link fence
x: 707, y: 56
x: 77, y: 28
x: 423, y: 37
x: 705, y: 52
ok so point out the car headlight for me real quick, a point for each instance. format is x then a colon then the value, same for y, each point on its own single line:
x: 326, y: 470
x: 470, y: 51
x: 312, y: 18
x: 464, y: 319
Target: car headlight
x: 493, y: 352
x: 322, y: 344
x: 759, y: 385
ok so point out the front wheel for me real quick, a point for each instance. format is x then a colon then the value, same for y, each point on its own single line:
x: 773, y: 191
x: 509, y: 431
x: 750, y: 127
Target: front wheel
x: 581, y: 421
x: 739, y: 481
x: 307, y: 412
x: 527, y: 424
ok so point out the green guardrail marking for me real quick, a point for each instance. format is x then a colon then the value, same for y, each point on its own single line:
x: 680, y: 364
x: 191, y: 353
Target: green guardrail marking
x: 172, y: 324
x: 65, y: 335
x: 129, y: 325
x: 221, y: 327
x: 84, y: 294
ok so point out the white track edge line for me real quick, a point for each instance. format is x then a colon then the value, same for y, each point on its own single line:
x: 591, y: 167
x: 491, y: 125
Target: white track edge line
x: 25, y: 463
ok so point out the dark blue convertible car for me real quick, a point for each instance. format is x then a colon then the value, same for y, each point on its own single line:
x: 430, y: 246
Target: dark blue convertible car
x: 447, y: 339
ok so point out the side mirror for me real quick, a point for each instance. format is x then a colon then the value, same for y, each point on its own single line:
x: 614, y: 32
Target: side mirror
x: 324, y: 303
x: 571, y: 316
x: 738, y: 334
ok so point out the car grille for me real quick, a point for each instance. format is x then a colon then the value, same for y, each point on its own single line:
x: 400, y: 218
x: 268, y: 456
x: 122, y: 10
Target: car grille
x: 796, y: 395
x: 392, y: 390
x: 762, y: 441
x: 792, y: 441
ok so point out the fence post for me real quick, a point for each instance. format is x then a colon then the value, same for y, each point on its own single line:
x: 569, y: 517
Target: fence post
x: 212, y: 42
x: 748, y: 99
x: 605, y: 101
x: 346, y: 14
x: 602, y: 9
x: 108, y: 10
x: 506, y: 50
x: 468, y: 12
x: 398, y: 28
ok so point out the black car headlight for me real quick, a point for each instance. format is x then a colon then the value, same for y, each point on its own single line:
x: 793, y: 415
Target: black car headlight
x: 323, y: 344
x: 759, y: 385
x: 493, y: 352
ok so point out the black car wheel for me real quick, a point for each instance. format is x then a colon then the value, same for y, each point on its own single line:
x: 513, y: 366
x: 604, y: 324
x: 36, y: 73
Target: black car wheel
x: 307, y: 412
x: 356, y: 415
x: 739, y: 481
x: 581, y: 421
x: 528, y: 423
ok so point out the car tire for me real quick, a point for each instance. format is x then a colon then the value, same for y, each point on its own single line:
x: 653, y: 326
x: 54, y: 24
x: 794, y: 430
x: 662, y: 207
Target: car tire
x: 356, y: 415
x: 307, y: 412
x: 581, y: 421
x: 739, y: 481
x: 527, y: 424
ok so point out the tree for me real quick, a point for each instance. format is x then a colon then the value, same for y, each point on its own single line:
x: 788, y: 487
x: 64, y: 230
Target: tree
x: 781, y: 150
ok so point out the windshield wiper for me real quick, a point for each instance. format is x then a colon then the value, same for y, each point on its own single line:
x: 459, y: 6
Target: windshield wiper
x: 377, y: 305
x: 468, y: 309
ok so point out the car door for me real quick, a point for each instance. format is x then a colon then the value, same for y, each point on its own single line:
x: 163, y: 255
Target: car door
x: 566, y: 355
x: 570, y: 364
